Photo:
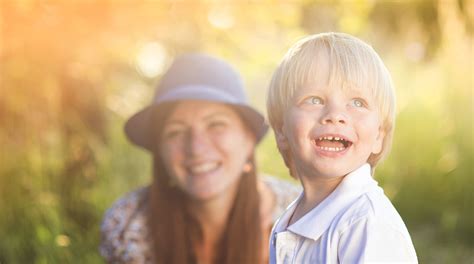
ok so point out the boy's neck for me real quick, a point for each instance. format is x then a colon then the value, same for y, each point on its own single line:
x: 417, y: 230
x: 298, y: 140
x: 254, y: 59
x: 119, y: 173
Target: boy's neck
x: 315, y: 191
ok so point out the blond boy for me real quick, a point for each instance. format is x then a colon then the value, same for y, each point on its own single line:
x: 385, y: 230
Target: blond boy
x: 331, y: 104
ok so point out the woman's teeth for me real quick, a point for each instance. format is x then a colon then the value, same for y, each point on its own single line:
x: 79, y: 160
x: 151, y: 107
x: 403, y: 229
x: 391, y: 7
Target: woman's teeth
x: 203, y: 167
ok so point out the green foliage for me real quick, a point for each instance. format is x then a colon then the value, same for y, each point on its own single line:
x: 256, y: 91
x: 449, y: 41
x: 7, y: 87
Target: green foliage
x: 71, y: 72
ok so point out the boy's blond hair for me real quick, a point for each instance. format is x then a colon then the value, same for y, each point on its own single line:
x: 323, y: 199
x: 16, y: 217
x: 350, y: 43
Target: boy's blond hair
x: 353, y: 64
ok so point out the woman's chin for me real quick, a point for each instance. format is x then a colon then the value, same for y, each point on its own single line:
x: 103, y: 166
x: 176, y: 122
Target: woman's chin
x: 202, y: 195
x: 211, y: 192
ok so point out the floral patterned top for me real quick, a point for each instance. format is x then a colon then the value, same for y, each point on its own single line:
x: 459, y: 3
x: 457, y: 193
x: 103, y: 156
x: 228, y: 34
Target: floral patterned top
x: 124, y: 233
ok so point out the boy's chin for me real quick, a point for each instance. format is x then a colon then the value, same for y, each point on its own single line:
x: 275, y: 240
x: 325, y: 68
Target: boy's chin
x: 333, y: 170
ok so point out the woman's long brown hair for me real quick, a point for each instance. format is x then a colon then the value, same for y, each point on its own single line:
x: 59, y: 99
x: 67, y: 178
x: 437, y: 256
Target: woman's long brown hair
x: 175, y: 232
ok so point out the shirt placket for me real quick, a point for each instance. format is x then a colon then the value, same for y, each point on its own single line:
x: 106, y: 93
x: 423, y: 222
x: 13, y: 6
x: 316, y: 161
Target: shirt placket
x: 286, y: 245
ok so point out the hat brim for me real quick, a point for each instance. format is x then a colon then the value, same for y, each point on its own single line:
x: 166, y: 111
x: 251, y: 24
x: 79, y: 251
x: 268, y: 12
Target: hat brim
x: 138, y: 128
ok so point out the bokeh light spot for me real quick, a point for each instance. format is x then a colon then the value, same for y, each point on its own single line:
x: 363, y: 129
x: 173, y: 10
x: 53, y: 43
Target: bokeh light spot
x: 221, y: 18
x: 63, y: 240
x: 151, y: 59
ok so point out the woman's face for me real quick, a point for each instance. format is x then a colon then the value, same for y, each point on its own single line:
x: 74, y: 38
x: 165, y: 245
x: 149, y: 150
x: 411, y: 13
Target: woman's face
x: 204, y: 147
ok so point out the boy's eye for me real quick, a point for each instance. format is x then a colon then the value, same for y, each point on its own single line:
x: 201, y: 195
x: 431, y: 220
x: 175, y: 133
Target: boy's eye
x: 357, y: 102
x: 314, y: 100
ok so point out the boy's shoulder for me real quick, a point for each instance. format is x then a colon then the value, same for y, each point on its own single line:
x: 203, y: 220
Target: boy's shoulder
x: 371, y: 208
x: 372, y: 225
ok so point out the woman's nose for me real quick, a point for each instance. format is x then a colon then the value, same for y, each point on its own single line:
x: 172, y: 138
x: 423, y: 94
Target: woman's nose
x: 334, y: 114
x: 197, y: 143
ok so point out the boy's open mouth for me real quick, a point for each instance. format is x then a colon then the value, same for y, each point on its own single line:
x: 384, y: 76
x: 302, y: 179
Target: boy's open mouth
x: 332, y: 143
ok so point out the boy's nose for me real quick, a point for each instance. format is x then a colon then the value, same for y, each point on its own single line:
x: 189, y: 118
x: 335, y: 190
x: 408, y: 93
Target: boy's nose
x: 334, y: 115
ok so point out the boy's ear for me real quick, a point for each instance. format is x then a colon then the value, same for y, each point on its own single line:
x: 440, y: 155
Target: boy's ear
x: 281, y: 140
x: 377, y: 147
x: 284, y: 149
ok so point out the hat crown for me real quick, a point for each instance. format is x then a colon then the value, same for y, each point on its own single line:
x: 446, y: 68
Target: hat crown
x: 197, y: 72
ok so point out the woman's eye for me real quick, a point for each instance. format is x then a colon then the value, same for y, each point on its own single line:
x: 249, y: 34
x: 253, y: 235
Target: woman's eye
x: 217, y: 124
x: 314, y: 100
x: 358, y: 102
x: 172, y: 133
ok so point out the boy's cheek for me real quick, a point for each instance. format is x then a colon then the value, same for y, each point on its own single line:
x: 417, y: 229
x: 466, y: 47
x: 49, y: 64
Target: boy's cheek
x: 298, y: 123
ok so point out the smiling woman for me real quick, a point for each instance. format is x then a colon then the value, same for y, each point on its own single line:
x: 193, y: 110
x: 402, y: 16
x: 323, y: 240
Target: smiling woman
x: 205, y: 145
x: 206, y: 203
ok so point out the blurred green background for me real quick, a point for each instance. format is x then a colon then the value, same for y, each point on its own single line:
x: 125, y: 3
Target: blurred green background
x: 71, y: 72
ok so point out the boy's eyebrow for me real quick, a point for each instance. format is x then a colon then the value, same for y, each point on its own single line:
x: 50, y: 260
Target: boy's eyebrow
x: 309, y: 87
x: 359, y: 91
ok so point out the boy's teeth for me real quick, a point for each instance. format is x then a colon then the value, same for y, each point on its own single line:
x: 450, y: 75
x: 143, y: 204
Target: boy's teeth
x: 334, y: 149
x: 203, y: 168
x: 329, y: 138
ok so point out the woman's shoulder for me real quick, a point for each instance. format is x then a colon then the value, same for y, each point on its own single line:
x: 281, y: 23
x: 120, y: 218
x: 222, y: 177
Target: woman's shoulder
x: 123, y: 209
x: 124, y: 231
x: 284, y: 192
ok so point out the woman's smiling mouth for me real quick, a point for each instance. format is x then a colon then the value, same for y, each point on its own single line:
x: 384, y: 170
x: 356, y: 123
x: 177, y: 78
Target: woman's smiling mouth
x: 203, y: 168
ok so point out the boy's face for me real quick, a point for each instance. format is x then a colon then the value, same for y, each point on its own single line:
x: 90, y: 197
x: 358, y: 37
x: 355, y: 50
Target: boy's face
x: 330, y: 131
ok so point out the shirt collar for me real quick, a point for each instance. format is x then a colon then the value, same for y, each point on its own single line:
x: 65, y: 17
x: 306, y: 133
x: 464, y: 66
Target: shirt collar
x: 317, y: 221
x: 282, y: 222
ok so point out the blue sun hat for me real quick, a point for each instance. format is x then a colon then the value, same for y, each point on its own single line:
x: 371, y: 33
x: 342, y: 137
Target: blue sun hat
x: 196, y: 77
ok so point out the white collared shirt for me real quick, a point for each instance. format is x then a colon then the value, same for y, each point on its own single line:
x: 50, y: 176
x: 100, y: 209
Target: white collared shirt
x: 356, y: 223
